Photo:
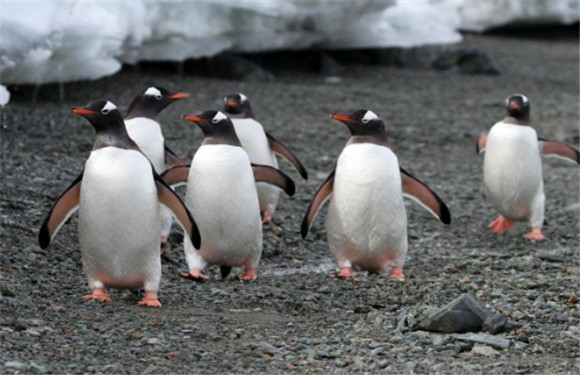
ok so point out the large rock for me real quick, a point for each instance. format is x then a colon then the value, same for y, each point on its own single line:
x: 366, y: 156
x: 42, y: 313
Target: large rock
x: 463, y: 314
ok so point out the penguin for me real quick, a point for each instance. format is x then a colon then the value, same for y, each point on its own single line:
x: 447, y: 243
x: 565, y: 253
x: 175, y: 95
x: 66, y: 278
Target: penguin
x: 142, y: 122
x: 221, y: 192
x: 366, y: 222
x: 261, y: 148
x: 118, y: 196
x: 512, y: 168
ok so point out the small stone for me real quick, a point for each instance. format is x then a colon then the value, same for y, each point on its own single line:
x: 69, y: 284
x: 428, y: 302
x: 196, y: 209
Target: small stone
x: 378, y: 351
x: 484, y: 350
x: 5, y: 291
x: 495, y: 323
x: 325, y: 289
x: 551, y: 256
x: 15, y: 365
x: 573, y: 299
x: 482, y: 338
x: 558, y: 318
x: 362, y: 309
x: 37, y: 369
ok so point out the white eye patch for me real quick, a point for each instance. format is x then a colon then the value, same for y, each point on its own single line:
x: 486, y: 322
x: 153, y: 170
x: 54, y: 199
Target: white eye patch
x: 108, y: 107
x: 370, y: 115
x: 152, y: 91
x: 243, y: 97
x: 218, y: 117
x: 524, y: 99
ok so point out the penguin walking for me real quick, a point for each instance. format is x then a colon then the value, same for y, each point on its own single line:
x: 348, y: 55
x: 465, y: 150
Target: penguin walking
x: 118, y: 196
x: 512, y: 168
x: 143, y: 126
x: 366, y: 222
x: 221, y: 191
x: 261, y: 148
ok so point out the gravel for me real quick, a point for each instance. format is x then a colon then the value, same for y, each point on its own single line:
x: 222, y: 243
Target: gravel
x: 294, y: 317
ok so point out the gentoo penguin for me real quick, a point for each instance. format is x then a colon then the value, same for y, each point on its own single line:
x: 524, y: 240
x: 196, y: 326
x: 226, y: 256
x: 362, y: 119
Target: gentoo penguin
x: 142, y: 122
x: 261, y: 148
x: 366, y: 222
x: 512, y: 168
x: 118, y: 195
x: 221, y: 192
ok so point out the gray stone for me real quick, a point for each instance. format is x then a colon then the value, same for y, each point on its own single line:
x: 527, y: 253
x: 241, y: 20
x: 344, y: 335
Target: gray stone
x: 463, y: 314
x: 495, y: 323
x: 482, y: 338
x: 550, y: 256
x: 15, y: 365
x: 484, y: 350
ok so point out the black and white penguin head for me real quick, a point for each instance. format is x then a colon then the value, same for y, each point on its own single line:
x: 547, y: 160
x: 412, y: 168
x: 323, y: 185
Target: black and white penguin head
x: 518, y: 106
x: 152, y: 101
x: 213, y: 124
x: 362, y: 122
x: 102, y: 114
x: 238, y: 105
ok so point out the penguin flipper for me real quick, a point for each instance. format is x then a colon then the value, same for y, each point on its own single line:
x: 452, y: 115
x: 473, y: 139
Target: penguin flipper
x: 63, y: 208
x: 285, y: 152
x: 422, y: 194
x: 322, y: 194
x: 559, y: 150
x: 265, y: 173
x: 480, y: 145
x: 176, y: 176
x: 171, y: 158
x: 169, y: 198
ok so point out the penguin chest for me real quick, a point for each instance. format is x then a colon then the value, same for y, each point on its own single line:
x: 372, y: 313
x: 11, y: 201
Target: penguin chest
x: 148, y: 136
x: 118, y: 224
x: 221, y: 193
x: 366, y: 213
x: 512, y: 169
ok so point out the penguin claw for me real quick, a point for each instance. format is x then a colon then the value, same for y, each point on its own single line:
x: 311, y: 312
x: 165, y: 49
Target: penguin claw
x: 150, y: 300
x: 99, y: 294
x: 500, y: 225
x: 249, y: 275
x: 344, y: 273
x: 194, y: 275
x: 535, y: 234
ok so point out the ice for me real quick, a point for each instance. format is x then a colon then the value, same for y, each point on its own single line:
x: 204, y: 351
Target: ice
x: 4, y: 96
x: 58, y: 41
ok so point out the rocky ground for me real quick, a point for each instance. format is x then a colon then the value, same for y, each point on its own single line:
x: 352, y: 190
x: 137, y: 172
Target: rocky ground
x: 294, y: 318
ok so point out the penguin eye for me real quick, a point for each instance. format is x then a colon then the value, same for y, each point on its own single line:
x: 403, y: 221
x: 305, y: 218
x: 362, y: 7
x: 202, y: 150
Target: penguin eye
x: 158, y: 96
x: 214, y: 120
x: 105, y: 111
x: 365, y: 120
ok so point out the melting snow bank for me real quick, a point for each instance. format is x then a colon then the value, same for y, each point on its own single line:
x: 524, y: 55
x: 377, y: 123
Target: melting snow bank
x: 65, y: 41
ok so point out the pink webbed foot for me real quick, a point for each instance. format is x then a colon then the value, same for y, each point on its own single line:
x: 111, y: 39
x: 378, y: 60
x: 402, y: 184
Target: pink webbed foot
x: 248, y: 275
x: 535, y: 234
x: 500, y: 225
x: 150, y: 300
x: 193, y: 274
x: 344, y: 273
x: 266, y: 219
x: 98, y: 294
x: 397, y: 273
x: 163, y: 240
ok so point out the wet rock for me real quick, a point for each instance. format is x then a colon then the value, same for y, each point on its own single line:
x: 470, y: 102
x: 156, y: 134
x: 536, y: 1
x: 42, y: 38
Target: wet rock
x: 15, y: 365
x: 468, y: 61
x: 464, y: 314
x: 5, y: 290
x: 482, y: 338
x: 551, y: 256
x: 495, y: 323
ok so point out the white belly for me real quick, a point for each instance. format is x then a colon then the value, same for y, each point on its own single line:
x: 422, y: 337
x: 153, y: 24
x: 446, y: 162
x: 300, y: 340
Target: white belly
x: 148, y: 136
x: 512, y: 169
x: 222, y: 196
x: 253, y: 139
x: 118, y: 224
x: 366, y: 220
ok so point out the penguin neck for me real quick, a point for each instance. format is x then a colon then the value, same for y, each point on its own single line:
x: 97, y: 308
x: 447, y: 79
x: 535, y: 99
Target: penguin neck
x: 523, y: 121
x: 244, y: 114
x: 380, y: 139
x: 135, y: 110
x: 114, y: 137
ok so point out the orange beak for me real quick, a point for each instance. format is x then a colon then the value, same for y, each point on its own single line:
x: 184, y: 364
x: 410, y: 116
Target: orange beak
x: 193, y: 118
x: 515, y: 106
x: 83, y: 111
x: 179, y: 95
x: 342, y: 118
x: 231, y: 103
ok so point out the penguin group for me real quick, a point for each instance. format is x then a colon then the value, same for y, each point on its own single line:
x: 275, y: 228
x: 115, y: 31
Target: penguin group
x: 126, y: 201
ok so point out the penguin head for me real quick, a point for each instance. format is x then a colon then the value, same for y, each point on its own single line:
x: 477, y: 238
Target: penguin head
x: 152, y: 101
x: 238, y: 105
x: 362, y: 122
x: 213, y: 124
x: 518, y: 106
x: 102, y: 114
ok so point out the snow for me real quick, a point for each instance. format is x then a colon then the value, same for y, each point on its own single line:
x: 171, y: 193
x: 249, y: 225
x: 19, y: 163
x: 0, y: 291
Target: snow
x: 60, y: 41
